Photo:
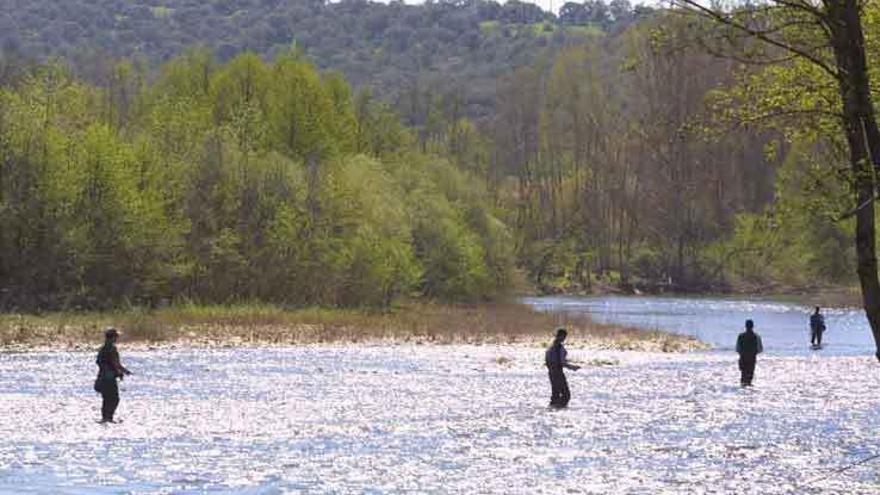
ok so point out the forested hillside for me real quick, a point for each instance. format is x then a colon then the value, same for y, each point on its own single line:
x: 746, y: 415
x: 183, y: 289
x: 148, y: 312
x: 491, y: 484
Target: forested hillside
x: 389, y: 47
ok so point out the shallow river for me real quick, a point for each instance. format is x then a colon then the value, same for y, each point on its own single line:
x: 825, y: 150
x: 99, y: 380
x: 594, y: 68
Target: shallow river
x: 438, y: 419
x: 783, y: 326
x: 370, y: 419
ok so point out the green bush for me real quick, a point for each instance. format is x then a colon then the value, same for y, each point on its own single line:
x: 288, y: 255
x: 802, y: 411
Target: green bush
x: 230, y: 183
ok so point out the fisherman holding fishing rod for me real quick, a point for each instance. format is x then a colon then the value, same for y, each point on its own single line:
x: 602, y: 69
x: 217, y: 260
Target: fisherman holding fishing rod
x: 556, y: 359
x: 109, y: 370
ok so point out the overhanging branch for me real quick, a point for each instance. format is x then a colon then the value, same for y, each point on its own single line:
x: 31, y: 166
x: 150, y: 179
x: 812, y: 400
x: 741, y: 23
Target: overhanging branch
x: 727, y: 20
x: 868, y: 202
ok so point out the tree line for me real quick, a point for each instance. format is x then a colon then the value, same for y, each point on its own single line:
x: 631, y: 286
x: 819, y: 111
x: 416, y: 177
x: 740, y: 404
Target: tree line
x: 640, y: 157
x: 218, y: 182
x: 631, y: 161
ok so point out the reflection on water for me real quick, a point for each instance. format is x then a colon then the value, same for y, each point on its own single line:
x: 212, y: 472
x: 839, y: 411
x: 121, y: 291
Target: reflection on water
x: 404, y: 419
x: 784, y: 327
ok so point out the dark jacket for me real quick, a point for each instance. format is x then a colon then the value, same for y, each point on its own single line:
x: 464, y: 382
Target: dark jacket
x: 748, y: 344
x: 817, y: 322
x: 556, y: 356
x: 109, y: 367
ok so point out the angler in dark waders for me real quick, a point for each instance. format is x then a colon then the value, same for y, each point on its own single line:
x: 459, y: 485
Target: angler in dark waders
x: 817, y: 328
x: 109, y: 370
x: 556, y: 359
x: 748, y: 345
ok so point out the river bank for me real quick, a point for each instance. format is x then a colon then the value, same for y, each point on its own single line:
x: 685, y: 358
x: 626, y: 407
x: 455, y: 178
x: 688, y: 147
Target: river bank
x: 243, y: 325
x: 354, y: 419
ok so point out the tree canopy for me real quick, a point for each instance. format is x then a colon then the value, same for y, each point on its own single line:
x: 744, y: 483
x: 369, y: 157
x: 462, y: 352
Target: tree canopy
x: 225, y: 182
x: 387, y: 47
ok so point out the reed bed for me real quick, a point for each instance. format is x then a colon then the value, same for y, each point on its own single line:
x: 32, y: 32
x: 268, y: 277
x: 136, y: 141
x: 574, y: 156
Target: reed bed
x: 261, y: 324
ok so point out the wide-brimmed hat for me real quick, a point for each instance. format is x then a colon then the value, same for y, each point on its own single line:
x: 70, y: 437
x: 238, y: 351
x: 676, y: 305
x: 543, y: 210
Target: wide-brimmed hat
x: 111, y: 332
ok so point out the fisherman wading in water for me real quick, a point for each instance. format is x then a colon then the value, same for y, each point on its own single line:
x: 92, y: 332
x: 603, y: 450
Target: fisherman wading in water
x: 817, y: 328
x: 556, y: 360
x: 748, y: 346
x: 109, y: 370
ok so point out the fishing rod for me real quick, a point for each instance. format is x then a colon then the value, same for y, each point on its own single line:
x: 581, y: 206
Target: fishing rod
x: 836, y: 472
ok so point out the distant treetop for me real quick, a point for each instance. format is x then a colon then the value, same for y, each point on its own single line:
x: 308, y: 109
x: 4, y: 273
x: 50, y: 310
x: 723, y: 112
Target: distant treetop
x: 386, y: 46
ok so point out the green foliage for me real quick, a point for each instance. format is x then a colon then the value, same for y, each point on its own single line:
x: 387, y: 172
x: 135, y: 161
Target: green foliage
x: 236, y: 182
x: 615, y: 149
x: 799, y: 242
x: 800, y: 239
x: 378, y: 131
x: 362, y: 211
x: 377, y: 45
x: 465, y: 251
x: 601, y: 164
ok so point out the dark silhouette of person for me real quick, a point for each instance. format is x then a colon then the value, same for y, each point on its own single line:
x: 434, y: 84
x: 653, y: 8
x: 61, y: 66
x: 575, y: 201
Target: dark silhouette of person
x: 817, y: 327
x: 556, y: 359
x: 109, y: 370
x: 748, y: 345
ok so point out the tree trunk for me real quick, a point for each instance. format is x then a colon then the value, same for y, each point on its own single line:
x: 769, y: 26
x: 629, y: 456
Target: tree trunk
x: 863, y: 138
x: 313, y: 190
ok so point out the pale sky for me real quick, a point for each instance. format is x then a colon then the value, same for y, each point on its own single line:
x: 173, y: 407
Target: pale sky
x: 553, y: 5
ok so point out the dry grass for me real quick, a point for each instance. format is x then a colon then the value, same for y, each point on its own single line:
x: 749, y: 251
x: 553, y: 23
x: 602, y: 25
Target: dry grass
x: 507, y: 323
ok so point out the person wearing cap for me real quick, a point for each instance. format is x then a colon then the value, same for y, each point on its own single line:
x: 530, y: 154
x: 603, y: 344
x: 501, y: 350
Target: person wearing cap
x: 748, y: 346
x: 109, y: 370
x: 556, y: 359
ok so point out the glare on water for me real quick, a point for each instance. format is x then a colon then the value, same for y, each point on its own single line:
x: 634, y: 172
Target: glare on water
x: 784, y: 327
x: 443, y: 419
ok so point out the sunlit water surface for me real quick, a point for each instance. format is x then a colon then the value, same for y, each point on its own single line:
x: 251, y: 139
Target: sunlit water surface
x: 783, y: 326
x: 438, y: 419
